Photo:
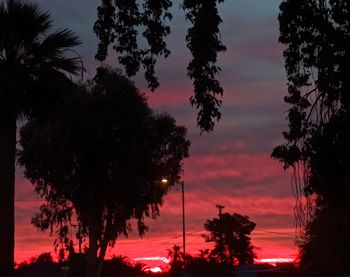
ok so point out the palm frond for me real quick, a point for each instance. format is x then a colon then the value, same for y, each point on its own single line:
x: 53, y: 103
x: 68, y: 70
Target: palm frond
x: 25, y: 43
x: 60, y: 40
x: 70, y: 65
x: 53, y: 51
x: 26, y: 20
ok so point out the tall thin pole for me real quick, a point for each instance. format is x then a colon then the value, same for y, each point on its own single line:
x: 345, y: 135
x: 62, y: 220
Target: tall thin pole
x: 220, y: 207
x: 183, y: 225
x: 221, y: 246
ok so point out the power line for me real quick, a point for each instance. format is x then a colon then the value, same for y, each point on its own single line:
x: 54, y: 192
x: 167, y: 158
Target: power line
x: 275, y: 233
x: 158, y: 239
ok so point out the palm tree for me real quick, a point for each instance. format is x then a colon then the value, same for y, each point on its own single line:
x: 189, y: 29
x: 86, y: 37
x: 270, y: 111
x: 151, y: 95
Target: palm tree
x: 33, y: 64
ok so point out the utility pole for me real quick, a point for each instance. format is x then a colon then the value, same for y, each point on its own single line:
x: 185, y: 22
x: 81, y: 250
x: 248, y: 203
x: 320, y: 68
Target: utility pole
x: 220, y: 207
x: 221, y: 244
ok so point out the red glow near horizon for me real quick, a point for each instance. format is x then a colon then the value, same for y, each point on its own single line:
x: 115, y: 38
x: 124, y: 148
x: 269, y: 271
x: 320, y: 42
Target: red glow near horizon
x: 154, y: 269
x: 275, y: 261
x: 162, y: 259
x: 272, y: 243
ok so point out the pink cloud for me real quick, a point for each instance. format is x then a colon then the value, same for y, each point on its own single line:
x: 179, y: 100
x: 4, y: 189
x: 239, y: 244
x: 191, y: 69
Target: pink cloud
x: 251, y: 168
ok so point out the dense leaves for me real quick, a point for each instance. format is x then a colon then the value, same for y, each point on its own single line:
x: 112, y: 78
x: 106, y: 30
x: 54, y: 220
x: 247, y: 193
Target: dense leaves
x: 120, y: 21
x: 317, y: 64
x: 230, y: 233
x: 201, y: 265
x: 176, y: 260
x: 325, y: 246
x: 102, y: 158
x: 204, y: 43
x: 326, y: 243
x: 317, y: 61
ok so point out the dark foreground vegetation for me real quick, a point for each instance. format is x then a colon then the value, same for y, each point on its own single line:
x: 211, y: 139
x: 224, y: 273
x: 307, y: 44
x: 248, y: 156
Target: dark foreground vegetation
x: 43, y: 266
x: 317, y: 144
x: 196, y: 266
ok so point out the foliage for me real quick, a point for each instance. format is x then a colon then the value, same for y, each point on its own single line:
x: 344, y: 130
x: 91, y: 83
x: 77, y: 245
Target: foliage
x: 31, y: 58
x: 44, y: 258
x: 197, y: 266
x: 121, y: 266
x: 316, y: 61
x: 326, y: 244
x: 39, y: 266
x: 230, y: 233
x: 32, y: 66
x: 317, y: 36
x: 110, y: 153
x: 119, y: 23
x: 176, y: 260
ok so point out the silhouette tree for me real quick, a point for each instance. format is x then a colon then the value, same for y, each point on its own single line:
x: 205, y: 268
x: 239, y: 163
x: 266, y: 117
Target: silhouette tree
x: 43, y: 258
x: 118, y: 25
x: 28, y: 54
x: 176, y: 260
x: 39, y: 266
x: 230, y: 233
x: 110, y: 153
x: 121, y: 266
x: 197, y: 266
x: 317, y: 143
x: 326, y: 232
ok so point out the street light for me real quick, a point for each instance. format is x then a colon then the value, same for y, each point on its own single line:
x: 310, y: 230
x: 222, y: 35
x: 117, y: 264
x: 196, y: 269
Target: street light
x: 165, y: 181
x: 183, y: 225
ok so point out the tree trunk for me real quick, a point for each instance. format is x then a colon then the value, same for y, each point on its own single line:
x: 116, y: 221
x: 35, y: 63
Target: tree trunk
x: 94, y: 264
x: 7, y: 195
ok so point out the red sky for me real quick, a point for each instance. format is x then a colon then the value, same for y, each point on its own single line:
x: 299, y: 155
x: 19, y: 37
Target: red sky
x: 232, y: 165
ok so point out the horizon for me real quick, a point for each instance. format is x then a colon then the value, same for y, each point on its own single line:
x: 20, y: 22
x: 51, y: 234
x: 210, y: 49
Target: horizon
x: 161, y: 264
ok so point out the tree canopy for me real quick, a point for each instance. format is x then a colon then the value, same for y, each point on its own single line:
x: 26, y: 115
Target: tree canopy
x: 317, y: 36
x: 120, y: 22
x: 102, y: 159
x: 230, y: 233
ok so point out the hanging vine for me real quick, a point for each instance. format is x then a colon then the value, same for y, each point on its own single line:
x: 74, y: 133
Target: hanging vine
x: 120, y: 22
x: 317, y: 36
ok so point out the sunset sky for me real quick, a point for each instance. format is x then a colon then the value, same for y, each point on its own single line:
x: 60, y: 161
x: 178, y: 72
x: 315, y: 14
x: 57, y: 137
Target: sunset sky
x: 232, y: 165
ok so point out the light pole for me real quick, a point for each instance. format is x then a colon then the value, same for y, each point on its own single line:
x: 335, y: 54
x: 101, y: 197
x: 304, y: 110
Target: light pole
x: 183, y: 225
x: 165, y: 181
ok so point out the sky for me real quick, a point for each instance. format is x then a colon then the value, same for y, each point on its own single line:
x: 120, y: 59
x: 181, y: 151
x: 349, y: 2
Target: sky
x: 232, y: 165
